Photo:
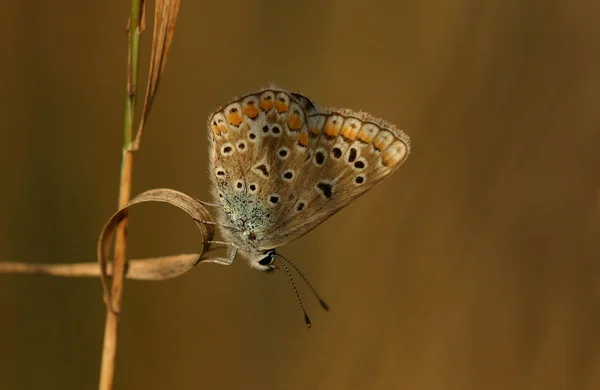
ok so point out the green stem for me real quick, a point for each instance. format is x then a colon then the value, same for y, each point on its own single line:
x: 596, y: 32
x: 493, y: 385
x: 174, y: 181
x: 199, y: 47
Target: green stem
x: 133, y: 59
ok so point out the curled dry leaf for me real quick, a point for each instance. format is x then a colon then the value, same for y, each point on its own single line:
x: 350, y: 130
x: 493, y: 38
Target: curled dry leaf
x: 162, y: 267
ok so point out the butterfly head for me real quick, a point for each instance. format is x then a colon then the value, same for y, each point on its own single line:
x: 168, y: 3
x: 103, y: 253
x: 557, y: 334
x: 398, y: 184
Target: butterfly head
x: 264, y: 260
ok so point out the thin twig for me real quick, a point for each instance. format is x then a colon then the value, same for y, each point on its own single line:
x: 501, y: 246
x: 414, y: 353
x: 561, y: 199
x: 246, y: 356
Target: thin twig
x: 109, y: 351
x: 153, y: 268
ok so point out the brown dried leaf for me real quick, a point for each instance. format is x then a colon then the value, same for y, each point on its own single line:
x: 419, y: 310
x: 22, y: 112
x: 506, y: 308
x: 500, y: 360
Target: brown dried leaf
x: 158, y: 268
x: 165, y: 19
x: 155, y: 268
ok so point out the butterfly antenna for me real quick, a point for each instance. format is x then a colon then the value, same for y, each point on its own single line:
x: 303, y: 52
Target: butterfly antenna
x: 324, y: 305
x: 306, y: 319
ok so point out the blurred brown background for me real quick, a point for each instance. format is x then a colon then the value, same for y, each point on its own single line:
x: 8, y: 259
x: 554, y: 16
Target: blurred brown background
x: 475, y: 266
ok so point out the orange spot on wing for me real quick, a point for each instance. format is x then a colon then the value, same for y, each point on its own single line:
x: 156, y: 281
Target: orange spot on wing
x: 315, y: 131
x: 294, y: 121
x: 349, y: 132
x: 382, y: 140
x: 223, y: 128
x: 281, y: 106
x: 251, y: 111
x: 234, y: 118
x: 332, y: 128
x: 303, y: 139
x: 365, y: 137
x: 366, y: 134
x: 266, y: 104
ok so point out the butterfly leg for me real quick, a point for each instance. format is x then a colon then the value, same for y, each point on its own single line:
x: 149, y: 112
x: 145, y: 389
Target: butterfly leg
x: 232, y: 255
x: 207, y: 203
x: 216, y: 260
x: 215, y: 224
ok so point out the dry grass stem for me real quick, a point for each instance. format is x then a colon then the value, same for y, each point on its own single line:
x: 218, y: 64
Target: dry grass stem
x: 113, y: 304
x: 154, y: 268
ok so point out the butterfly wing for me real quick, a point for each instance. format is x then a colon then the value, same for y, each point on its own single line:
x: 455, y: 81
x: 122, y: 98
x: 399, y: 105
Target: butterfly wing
x: 280, y: 166
x: 258, y: 147
x: 351, y: 153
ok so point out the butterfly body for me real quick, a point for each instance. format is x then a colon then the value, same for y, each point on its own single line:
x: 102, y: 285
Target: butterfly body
x: 280, y: 166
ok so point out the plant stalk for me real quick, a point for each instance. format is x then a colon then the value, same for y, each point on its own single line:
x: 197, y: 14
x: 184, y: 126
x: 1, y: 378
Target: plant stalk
x: 109, y: 351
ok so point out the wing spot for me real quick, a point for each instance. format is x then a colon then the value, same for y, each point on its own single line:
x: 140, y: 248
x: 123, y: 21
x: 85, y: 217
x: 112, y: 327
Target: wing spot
x: 220, y: 171
x: 252, y: 187
x: 337, y: 152
x: 359, y: 164
x: 352, y: 155
x: 319, y: 157
x: 359, y: 179
x: 276, y: 130
x: 262, y: 168
x: 274, y: 198
x: 288, y: 175
x: 238, y: 185
x: 281, y: 105
x: 252, y: 136
x: 326, y: 189
x: 266, y: 102
x: 300, y: 206
x: 265, y: 129
x: 283, y: 152
x: 227, y: 150
x: 251, y: 110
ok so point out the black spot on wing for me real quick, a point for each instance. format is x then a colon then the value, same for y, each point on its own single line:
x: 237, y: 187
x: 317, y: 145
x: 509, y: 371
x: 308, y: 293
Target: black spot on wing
x: 326, y: 189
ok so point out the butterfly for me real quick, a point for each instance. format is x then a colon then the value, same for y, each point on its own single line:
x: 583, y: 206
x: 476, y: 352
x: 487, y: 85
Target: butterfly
x: 280, y: 165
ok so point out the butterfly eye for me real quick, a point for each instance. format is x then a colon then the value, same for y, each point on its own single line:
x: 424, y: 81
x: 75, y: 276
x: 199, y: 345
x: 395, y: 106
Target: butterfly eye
x: 267, y: 260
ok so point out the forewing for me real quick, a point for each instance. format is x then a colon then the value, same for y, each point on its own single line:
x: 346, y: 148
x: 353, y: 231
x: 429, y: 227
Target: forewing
x: 350, y: 152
